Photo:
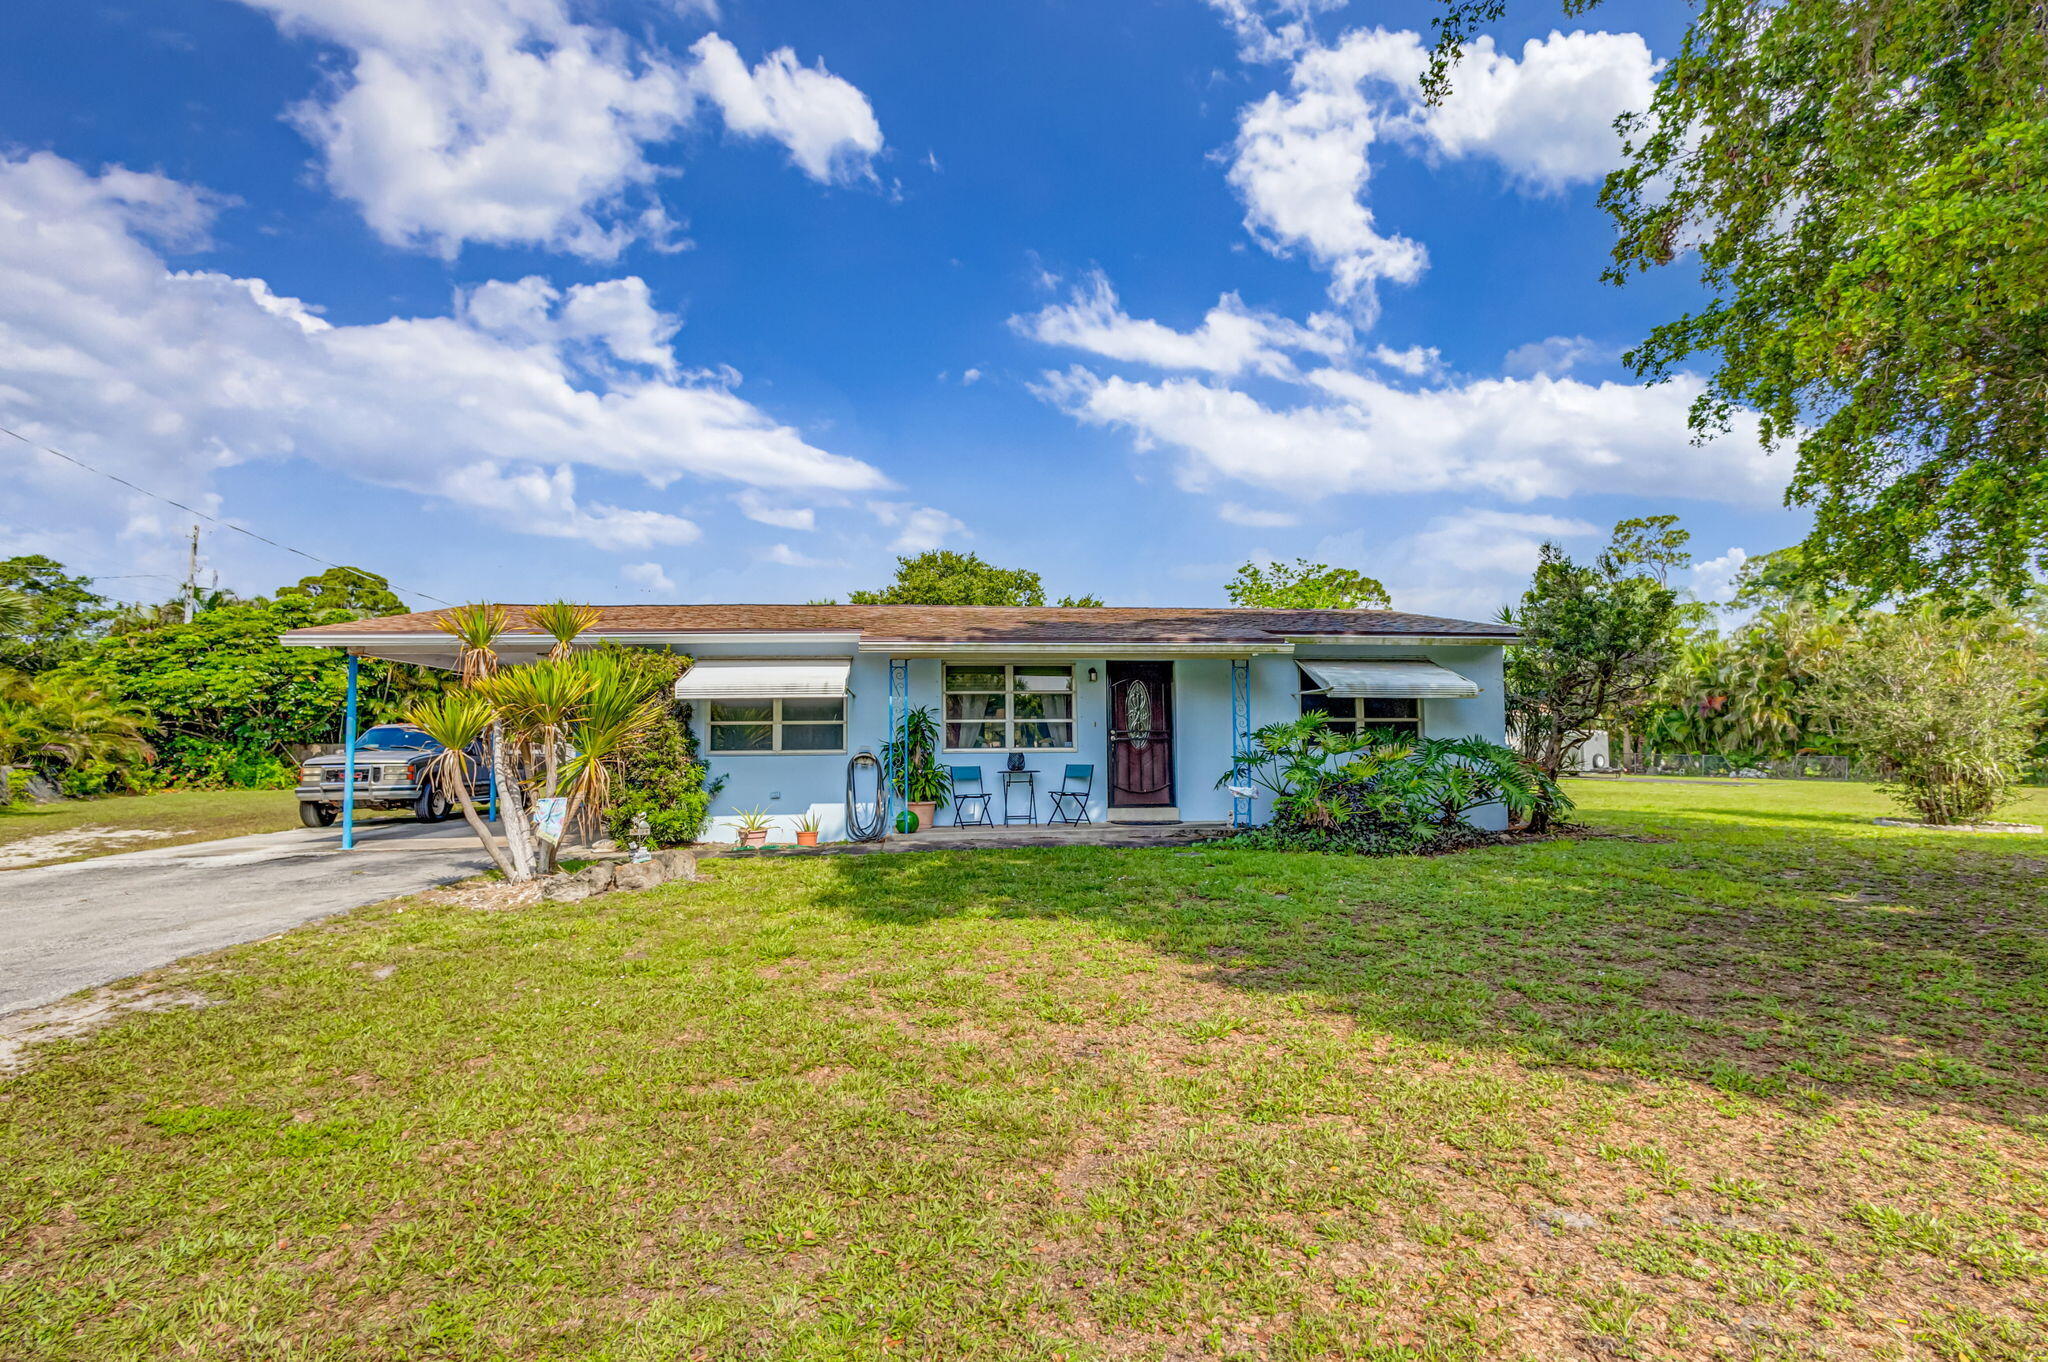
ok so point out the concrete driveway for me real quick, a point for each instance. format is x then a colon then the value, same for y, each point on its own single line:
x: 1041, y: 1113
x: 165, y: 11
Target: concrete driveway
x: 73, y: 926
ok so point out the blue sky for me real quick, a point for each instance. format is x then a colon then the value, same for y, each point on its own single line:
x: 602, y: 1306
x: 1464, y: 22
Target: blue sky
x: 736, y: 301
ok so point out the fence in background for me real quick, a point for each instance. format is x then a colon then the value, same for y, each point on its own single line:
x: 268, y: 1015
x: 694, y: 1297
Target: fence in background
x: 1805, y: 767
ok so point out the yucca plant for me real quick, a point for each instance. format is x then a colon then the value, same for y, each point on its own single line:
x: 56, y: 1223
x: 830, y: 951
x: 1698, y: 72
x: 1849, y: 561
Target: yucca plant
x: 537, y: 704
x: 564, y: 623
x: 455, y: 720
x: 621, y: 707
x: 475, y: 629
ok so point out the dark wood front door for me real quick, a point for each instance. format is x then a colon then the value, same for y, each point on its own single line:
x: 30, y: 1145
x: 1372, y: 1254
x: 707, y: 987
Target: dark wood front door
x: 1140, y: 734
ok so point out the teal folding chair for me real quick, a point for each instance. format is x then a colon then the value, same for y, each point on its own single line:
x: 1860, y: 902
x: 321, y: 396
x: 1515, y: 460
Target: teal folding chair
x: 966, y: 800
x: 1077, y: 810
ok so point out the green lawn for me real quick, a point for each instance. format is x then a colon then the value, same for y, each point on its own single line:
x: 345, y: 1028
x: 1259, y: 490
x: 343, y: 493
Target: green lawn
x: 1742, y: 1077
x: 76, y: 829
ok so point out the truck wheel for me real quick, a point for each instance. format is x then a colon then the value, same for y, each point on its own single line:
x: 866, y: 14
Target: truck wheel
x: 430, y: 807
x: 316, y: 815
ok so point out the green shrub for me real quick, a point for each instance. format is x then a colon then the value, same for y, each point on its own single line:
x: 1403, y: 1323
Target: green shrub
x: 663, y: 781
x: 1942, y: 706
x: 1382, y: 794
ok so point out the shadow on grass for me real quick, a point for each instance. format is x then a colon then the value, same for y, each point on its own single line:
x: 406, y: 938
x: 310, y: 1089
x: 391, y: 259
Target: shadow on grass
x: 1792, y: 967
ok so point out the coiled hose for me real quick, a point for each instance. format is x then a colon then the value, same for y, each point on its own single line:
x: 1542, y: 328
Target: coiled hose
x: 861, y: 828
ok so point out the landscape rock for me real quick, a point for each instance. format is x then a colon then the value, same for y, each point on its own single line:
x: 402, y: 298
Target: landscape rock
x: 580, y: 885
x: 638, y: 875
x: 678, y: 863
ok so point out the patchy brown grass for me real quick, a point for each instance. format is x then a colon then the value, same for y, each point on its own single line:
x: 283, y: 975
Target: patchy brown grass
x: 1741, y: 1082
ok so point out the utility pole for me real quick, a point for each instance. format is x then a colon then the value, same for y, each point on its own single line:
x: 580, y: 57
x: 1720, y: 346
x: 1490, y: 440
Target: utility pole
x: 192, y: 576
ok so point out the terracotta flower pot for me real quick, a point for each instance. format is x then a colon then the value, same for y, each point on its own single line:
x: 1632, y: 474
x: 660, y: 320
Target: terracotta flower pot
x: 753, y: 837
x: 927, y: 812
x: 807, y: 839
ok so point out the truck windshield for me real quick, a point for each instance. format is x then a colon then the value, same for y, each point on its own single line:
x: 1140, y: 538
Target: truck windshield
x: 385, y: 737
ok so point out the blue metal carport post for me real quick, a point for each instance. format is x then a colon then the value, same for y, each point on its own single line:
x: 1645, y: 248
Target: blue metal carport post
x: 348, y: 763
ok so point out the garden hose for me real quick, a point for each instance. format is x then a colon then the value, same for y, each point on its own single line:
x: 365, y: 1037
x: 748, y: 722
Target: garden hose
x: 859, y: 828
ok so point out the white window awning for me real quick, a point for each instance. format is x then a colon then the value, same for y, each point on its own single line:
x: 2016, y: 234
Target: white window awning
x: 764, y: 678
x: 1389, y: 681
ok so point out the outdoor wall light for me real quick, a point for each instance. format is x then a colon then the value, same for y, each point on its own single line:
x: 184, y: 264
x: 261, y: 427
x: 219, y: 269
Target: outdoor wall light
x: 1091, y: 676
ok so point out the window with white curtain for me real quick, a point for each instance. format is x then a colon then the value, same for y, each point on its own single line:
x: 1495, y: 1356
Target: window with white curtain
x: 1003, y: 706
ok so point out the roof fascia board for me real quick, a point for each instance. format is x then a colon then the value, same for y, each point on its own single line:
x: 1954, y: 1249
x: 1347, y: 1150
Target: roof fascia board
x: 440, y: 638
x: 1406, y: 640
x: 1102, y: 648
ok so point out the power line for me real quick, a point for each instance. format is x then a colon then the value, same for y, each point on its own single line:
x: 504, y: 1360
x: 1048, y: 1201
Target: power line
x: 214, y: 520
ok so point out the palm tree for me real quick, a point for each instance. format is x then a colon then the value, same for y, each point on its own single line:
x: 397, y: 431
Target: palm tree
x: 16, y: 611
x: 66, y: 722
x: 456, y: 720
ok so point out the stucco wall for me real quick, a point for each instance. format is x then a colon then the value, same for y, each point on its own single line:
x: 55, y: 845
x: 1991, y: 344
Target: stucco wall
x: 788, y: 785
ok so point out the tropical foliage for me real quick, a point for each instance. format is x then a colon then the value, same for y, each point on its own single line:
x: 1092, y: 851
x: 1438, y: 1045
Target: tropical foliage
x: 65, y: 729
x: 566, y: 727
x: 55, y: 617
x: 663, y: 781
x: 1302, y: 585
x: 912, y: 761
x: 1379, y: 792
x: 226, y: 703
x: 1861, y: 184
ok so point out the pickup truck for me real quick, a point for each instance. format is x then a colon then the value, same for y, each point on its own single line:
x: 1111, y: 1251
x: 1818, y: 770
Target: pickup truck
x: 391, y: 773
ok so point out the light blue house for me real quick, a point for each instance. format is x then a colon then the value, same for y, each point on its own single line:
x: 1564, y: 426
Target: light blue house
x: 1134, y: 712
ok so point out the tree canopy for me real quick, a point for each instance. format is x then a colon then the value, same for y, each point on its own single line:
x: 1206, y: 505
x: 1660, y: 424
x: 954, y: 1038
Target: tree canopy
x: 948, y: 577
x: 362, y: 594
x: 62, y: 613
x: 1864, y: 185
x: 1302, y: 585
x: 1596, y: 640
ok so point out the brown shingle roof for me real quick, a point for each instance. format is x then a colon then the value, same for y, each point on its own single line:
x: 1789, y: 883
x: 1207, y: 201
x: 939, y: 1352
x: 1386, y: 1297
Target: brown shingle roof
x: 968, y: 623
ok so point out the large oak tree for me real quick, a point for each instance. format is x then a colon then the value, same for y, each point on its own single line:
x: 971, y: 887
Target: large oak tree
x: 1864, y: 187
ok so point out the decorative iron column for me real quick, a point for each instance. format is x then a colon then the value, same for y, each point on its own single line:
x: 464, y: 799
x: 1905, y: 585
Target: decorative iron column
x: 1240, y: 735
x: 348, y: 762
x: 899, y: 721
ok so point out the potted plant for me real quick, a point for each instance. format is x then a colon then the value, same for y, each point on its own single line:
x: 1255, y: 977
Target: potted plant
x: 754, y: 824
x: 807, y: 830
x: 919, y: 780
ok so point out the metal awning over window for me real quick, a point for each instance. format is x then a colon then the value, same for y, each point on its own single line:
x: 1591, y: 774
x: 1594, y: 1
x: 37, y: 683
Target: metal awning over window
x: 1389, y: 681
x: 764, y: 678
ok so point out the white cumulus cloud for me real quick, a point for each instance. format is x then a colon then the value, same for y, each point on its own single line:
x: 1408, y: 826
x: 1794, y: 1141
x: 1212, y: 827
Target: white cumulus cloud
x: 1554, y: 355
x: 917, y: 527
x: 503, y: 408
x: 1231, y: 340
x: 649, y: 577
x: 826, y: 122
x: 1516, y: 438
x: 1302, y: 160
x: 769, y: 511
x: 1714, y: 579
x: 508, y: 122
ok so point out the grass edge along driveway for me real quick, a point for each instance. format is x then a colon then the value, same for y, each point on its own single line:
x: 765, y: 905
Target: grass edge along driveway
x: 1746, y: 1077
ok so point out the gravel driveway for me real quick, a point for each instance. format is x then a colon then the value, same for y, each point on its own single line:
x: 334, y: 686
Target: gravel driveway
x: 73, y: 926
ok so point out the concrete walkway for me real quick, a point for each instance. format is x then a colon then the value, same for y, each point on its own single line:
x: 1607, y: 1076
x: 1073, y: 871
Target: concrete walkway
x: 72, y: 926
